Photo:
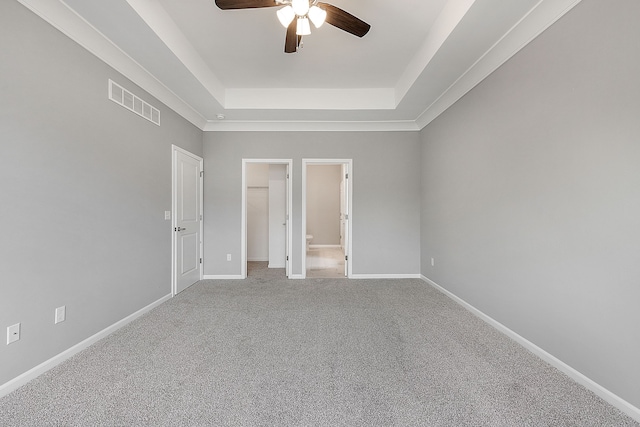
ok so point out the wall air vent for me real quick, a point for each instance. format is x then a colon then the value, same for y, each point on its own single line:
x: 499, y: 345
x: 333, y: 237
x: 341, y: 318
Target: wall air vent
x: 121, y: 96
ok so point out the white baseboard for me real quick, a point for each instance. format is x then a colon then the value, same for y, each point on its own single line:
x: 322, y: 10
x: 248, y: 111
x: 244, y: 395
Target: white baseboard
x: 323, y: 246
x: 276, y: 266
x: 24, y: 378
x: 368, y: 276
x: 385, y: 276
x: 302, y: 276
x: 259, y: 259
x: 572, y: 373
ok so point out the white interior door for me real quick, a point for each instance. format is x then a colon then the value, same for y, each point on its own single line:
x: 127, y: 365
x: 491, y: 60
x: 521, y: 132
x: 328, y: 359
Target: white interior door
x: 277, y: 216
x: 187, y: 215
x: 344, y: 216
x: 287, y: 211
x: 342, y: 209
x: 258, y: 224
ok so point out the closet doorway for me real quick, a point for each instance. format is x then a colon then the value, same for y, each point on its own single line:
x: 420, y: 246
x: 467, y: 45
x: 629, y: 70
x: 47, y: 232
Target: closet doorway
x: 266, y: 228
x: 326, y: 217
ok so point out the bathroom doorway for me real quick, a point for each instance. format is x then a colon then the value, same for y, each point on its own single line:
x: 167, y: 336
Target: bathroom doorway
x: 326, y: 217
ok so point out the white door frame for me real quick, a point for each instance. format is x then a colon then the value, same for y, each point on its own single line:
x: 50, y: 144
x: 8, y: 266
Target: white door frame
x: 174, y: 206
x: 348, y: 164
x: 243, y: 232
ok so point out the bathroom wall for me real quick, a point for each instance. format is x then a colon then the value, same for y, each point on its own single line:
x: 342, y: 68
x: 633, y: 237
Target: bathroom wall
x: 323, y: 203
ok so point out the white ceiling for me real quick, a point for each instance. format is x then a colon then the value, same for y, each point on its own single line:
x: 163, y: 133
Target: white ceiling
x: 419, y: 57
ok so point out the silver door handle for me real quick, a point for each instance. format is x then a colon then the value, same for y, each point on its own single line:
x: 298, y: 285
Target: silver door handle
x: 180, y: 229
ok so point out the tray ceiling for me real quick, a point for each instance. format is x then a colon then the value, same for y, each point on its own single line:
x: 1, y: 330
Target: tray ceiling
x: 417, y: 60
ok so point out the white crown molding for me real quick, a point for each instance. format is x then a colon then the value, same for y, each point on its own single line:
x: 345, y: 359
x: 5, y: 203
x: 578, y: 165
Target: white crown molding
x: 310, y: 126
x: 63, y: 18
x: 541, y: 17
x: 166, y: 29
x: 447, y: 21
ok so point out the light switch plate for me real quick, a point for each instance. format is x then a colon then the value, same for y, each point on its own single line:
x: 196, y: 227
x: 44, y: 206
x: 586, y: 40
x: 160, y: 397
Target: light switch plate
x: 167, y: 214
x: 13, y: 333
x: 61, y: 314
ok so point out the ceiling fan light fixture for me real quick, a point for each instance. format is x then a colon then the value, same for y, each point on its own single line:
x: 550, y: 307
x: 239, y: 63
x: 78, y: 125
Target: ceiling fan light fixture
x: 300, y: 7
x: 317, y: 16
x: 286, y: 15
x: 303, y: 11
x: 304, y: 29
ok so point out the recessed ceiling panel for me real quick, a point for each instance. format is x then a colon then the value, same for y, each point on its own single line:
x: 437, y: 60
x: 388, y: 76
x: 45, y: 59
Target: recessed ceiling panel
x: 245, y: 48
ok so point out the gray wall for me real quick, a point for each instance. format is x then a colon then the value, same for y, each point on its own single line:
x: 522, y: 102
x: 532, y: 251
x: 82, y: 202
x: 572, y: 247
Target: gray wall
x: 386, y: 205
x: 84, y: 184
x: 531, y: 194
x: 323, y: 203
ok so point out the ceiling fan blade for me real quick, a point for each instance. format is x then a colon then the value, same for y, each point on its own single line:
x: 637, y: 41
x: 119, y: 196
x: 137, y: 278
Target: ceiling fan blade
x: 245, y: 4
x: 291, y: 40
x: 344, y: 20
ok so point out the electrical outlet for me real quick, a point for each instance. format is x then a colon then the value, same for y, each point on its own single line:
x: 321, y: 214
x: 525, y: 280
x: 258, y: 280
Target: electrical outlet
x: 228, y: 257
x: 13, y: 333
x: 433, y: 262
x: 61, y: 314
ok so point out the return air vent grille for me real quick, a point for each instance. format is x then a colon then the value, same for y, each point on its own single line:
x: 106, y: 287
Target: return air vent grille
x: 121, y: 96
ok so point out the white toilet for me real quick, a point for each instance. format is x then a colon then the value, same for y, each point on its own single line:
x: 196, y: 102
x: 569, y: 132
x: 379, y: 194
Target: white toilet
x: 309, y: 237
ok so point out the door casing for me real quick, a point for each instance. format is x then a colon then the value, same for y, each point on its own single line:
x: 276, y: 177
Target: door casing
x: 347, y: 167
x: 289, y: 195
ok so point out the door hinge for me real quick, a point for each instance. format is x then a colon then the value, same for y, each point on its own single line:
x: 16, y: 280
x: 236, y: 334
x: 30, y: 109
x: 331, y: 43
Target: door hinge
x: 346, y: 176
x: 287, y: 257
x: 200, y: 260
x: 346, y: 257
x: 287, y: 176
x: 201, y: 173
x: 346, y: 216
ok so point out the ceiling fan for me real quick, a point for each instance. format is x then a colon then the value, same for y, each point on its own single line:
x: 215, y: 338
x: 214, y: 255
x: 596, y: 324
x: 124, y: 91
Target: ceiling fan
x: 296, y: 14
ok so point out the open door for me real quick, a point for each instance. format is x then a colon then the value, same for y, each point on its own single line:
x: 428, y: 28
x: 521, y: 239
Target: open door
x: 187, y: 219
x: 287, y: 225
x: 344, y: 216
